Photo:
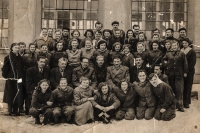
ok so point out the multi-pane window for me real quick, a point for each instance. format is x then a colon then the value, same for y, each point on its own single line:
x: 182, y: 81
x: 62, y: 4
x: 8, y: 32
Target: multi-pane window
x: 4, y: 23
x: 74, y: 14
x: 161, y: 14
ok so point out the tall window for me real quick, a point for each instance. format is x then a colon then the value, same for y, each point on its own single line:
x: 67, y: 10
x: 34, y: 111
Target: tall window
x: 74, y: 14
x: 4, y: 23
x: 161, y: 14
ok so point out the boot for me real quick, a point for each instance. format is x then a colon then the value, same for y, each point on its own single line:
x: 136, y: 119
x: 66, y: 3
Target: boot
x: 37, y: 120
x: 45, y: 121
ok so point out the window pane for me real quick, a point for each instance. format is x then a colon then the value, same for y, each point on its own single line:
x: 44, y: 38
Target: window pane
x: 94, y: 5
x: 4, y: 42
x: 92, y: 15
x: 136, y: 16
x: 48, y: 15
x: 80, y: 5
x: 63, y: 15
x: 49, y: 3
x: 5, y: 3
x: 66, y: 4
x: 164, y: 16
x: 178, y: 7
x: 44, y: 23
x: 5, y: 23
x: 150, y: 6
x: 150, y: 16
x: 5, y: 13
x: 164, y: 6
x: 73, y: 4
x: 178, y: 17
x: 79, y: 14
x: 150, y: 25
x: 62, y: 23
x: 4, y: 32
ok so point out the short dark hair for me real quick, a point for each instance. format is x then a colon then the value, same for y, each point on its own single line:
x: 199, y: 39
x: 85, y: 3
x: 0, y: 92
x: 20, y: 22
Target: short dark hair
x: 142, y: 70
x: 182, y: 29
x: 22, y: 43
x: 155, y: 30
x: 187, y: 40
x: 152, y: 75
x: 115, y: 22
x: 117, y: 57
x: 65, y: 29
x: 172, y: 30
x: 107, y: 30
x: 98, y: 22
x: 128, y: 31
x: 40, y: 57
x: 98, y: 31
x: 160, y: 66
x: 101, y: 42
x: 135, y: 25
x: 32, y: 44
x: 88, y: 30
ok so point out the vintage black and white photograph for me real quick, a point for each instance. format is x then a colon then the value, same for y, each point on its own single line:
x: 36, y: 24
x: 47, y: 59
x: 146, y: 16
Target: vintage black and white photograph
x: 99, y: 66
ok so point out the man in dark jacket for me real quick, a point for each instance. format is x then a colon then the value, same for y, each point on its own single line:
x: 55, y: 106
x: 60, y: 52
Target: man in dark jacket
x: 33, y: 76
x: 166, y: 106
x: 65, y: 38
x: 84, y: 71
x: 62, y: 71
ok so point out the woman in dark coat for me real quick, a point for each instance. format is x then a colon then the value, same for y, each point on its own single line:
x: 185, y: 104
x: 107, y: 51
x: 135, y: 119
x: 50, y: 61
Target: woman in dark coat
x: 12, y: 70
x: 126, y: 95
x: 40, y: 103
x: 105, y: 103
x: 147, y: 100
x: 188, y: 81
x: 130, y: 39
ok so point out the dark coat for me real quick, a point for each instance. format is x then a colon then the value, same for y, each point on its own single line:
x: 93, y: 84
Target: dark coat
x: 128, y: 60
x: 164, y: 95
x: 109, y: 43
x: 127, y: 100
x: 112, y: 100
x: 56, y: 76
x: 146, y: 95
x: 30, y: 60
x: 144, y: 55
x: 155, y: 57
x: 65, y: 42
x: 48, y: 58
x: 105, y: 54
x: 10, y: 90
x: 133, y: 42
x: 62, y: 98
x: 114, y: 40
x: 164, y: 78
x: 176, y: 63
x: 114, y: 76
x: 111, y: 56
x: 100, y: 73
x: 33, y: 76
x: 39, y: 99
x: 87, y: 72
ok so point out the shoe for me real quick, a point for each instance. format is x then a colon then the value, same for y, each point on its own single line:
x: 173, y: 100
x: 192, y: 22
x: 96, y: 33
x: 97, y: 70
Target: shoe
x: 56, y: 120
x: 45, y: 121
x: 27, y: 112
x: 186, y: 106
x: 181, y: 110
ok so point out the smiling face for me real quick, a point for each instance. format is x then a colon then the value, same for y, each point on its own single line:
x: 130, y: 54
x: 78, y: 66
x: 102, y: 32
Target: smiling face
x: 117, y: 47
x: 107, y: 34
x: 155, y: 38
x: 157, y: 70
x: 57, y: 34
x: 97, y: 35
x: 59, y: 46
x: 104, y: 89
x: 44, y: 32
x: 130, y: 34
x: 117, y: 34
x: 154, y: 81
x: 182, y: 33
x: 98, y: 26
x: 85, y: 63
x: 168, y: 45
x: 141, y: 37
x: 142, y: 76
x: 174, y: 46
x: 126, y: 50
x: 32, y: 48
x: 15, y: 49
x: 102, y: 46
x: 62, y: 64
x: 140, y: 47
x: 88, y: 44
x: 88, y: 34
x: 74, y: 44
x: 75, y: 34
x: 85, y: 83
x: 155, y: 46
x: 41, y: 63
x: 44, y: 49
x: 185, y: 44
x: 136, y: 30
x: 117, y: 62
x: 63, y: 84
x: 44, y: 86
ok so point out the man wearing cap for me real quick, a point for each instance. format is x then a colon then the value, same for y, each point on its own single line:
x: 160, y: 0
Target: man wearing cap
x: 115, y: 25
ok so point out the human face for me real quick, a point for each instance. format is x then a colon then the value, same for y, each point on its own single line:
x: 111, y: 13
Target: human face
x: 98, y: 26
x: 85, y: 83
x: 107, y: 34
x: 97, y: 35
x: 168, y: 46
x: 141, y: 37
x: 155, y: 46
x: 185, y: 44
x: 153, y: 81
x: 88, y: 35
x: 44, y: 32
x: 65, y: 33
x: 44, y: 49
x: 124, y: 86
x: 136, y: 30
x: 88, y: 45
x: 155, y: 38
x: 117, y: 62
x: 102, y: 46
x: 126, y: 50
x: 100, y: 61
x: 74, y: 44
x: 57, y: 35
x: 130, y: 34
x: 59, y: 46
x: 15, y: 49
x: 62, y: 64
x: 104, y: 89
x: 44, y: 86
x: 22, y: 48
x: 140, y: 48
x: 117, y: 47
x: 50, y: 32
x: 85, y: 63
x: 169, y: 33
x: 63, y: 84
x: 41, y: 63
x: 115, y: 26
x: 117, y: 34
x: 157, y: 70
x: 142, y: 76
x: 138, y: 61
x: 174, y: 46
x: 32, y: 48
x: 76, y: 34
x: 182, y: 33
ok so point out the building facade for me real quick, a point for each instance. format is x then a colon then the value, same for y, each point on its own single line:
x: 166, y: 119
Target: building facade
x: 22, y: 20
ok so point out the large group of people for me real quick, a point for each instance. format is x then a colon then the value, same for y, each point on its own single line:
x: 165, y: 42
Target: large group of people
x: 106, y: 75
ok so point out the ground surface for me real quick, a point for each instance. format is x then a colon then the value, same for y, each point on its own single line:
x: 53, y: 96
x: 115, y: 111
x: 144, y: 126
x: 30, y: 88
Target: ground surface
x: 187, y: 122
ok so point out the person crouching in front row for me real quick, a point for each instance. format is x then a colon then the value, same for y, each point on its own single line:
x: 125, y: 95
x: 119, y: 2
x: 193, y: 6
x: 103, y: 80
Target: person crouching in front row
x: 105, y: 103
x: 62, y: 102
x: 82, y: 99
x: 40, y: 102
x: 165, y: 109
